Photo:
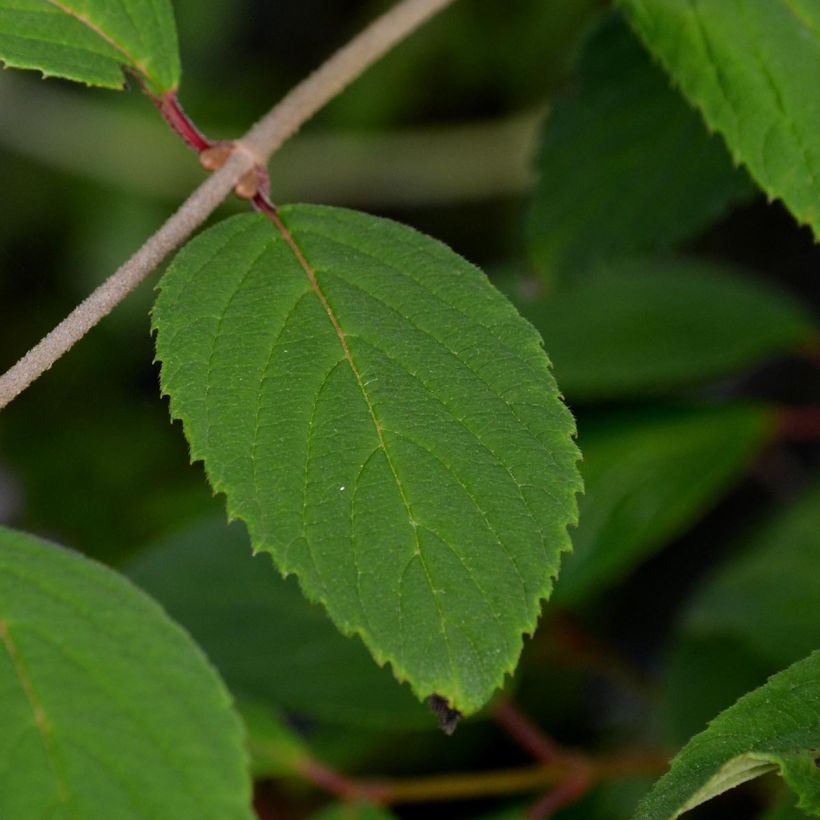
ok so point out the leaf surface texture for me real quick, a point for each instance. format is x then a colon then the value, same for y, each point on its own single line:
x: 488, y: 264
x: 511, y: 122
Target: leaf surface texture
x: 387, y: 426
x: 107, y: 708
x: 773, y: 728
x: 90, y: 40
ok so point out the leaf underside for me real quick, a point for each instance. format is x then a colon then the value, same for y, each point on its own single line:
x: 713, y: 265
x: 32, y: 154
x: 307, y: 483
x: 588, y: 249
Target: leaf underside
x: 107, y: 708
x: 741, y: 627
x: 386, y: 425
x: 750, y: 67
x: 89, y: 41
x: 775, y: 727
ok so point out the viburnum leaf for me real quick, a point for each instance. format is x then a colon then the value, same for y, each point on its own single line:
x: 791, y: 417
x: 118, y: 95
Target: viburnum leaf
x: 387, y: 426
x: 89, y: 41
x: 649, y: 474
x: 740, y: 626
x: 746, y: 64
x: 640, y: 326
x: 773, y: 728
x: 107, y: 707
x: 238, y: 609
x: 353, y: 811
x: 625, y: 164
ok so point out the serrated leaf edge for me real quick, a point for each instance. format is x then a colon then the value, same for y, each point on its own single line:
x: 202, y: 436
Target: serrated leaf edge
x: 399, y: 672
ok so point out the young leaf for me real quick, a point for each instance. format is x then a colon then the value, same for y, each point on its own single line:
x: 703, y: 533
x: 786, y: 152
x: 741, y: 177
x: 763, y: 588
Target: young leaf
x: 625, y: 164
x: 654, y: 325
x: 387, y: 426
x: 773, y: 728
x: 90, y: 40
x: 648, y: 475
x: 107, y: 708
x: 267, y: 641
x: 747, y: 65
x: 753, y: 617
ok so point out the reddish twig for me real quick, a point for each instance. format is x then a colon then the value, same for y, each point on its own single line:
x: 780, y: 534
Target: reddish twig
x: 173, y: 113
x: 570, y: 791
x: 525, y: 733
x: 800, y: 423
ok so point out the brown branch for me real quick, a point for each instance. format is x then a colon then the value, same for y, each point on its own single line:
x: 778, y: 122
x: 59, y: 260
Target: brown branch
x: 254, y: 148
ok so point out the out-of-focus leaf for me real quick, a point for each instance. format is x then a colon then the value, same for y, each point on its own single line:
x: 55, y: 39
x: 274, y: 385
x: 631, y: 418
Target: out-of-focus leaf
x: 773, y: 728
x: 268, y: 642
x: 757, y: 614
x: 107, y: 708
x: 650, y: 326
x: 89, y: 41
x: 746, y: 64
x: 625, y: 164
x: 387, y: 426
x: 275, y: 749
x: 353, y: 811
x: 648, y: 475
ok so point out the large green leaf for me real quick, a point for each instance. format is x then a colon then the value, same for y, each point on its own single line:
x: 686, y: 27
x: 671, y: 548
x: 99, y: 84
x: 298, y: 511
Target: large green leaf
x: 625, y: 164
x: 754, y: 616
x: 655, y: 325
x: 749, y: 66
x: 267, y: 641
x: 773, y: 728
x: 107, y: 708
x: 90, y: 40
x: 387, y: 426
x: 648, y: 475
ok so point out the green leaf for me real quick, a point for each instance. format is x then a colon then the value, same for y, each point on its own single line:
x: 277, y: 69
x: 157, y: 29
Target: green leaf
x: 386, y: 425
x: 773, y: 728
x: 748, y: 66
x: 755, y: 615
x: 651, y: 326
x: 107, y: 708
x: 648, y: 475
x: 625, y: 164
x: 267, y: 641
x: 90, y: 40
x: 275, y: 749
x: 353, y: 811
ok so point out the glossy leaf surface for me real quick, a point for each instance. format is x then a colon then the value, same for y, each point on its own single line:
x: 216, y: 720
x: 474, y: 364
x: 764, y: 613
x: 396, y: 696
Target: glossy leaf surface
x: 387, y: 426
x: 108, y: 709
x: 89, y: 41
x: 747, y: 65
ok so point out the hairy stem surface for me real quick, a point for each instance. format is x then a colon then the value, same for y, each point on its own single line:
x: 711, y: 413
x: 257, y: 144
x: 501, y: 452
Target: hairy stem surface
x: 255, y: 148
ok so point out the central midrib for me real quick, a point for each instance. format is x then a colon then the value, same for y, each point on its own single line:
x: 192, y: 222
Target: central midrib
x: 40, y: 717
x: 342, y: 336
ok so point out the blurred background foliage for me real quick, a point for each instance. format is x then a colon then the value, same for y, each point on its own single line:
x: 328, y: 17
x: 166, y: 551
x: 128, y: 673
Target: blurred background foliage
x: 540, y: 142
